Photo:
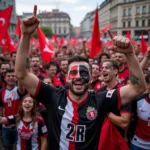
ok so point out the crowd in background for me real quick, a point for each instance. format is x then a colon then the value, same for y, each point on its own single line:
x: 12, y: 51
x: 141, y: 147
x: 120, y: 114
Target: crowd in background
x: 128, y: 121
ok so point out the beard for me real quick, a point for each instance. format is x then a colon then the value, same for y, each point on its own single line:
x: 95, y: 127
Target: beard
x: 64, y: 71
x: 78, y: 93
x: 35, y: 67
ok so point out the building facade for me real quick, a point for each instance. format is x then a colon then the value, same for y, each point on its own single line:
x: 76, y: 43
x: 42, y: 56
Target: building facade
x: 85, y: 26
x: 77, y: 31
x: 125, y: 15
x: 58, y: 21
x: 129, y: 15
x: 4, y: 4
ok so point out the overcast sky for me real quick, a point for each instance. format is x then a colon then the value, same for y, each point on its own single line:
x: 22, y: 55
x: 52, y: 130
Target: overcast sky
x: 77, y: 9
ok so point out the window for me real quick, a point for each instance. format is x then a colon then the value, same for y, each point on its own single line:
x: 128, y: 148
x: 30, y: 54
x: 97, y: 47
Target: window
x: 129, y: 24
x: 149, y: 22
x: 124, y: 12
x: 59, y: 30
x: 149, y: 9
x: 55, y: 28
x: 64, y: 29
x: 129, y: 11
x: 4, y: 3
x: 137, y: 10
x: 124, y: 24
x: 125, y: 1
x: 137, y: 23
x: 143, y: 23
x: 144, y: 10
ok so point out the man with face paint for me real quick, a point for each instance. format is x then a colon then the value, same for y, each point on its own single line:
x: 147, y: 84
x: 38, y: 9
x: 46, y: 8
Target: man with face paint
x: 78, y: 78
x: 76, y: 115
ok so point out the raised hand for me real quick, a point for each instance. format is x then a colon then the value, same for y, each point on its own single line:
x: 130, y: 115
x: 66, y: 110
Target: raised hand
x: 120, y: 44
x: 30, y: 24
x: 148, y: 52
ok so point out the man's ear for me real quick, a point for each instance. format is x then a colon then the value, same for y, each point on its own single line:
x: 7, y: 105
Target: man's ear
x: 116, y: 71
x: 4, y: 77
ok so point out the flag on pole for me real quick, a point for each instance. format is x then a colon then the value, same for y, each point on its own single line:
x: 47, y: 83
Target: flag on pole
x: 105, y: 29
x: 128, y: 35
x: 46, y: 48
x: 10, y: 44
x: 143, y: 45
x: 95, y: 42
x: 4, y: 22
x: 18, y: 28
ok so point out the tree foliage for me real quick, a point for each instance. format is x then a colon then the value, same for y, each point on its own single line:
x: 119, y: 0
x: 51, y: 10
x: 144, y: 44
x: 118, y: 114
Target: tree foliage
x: 47, y: 31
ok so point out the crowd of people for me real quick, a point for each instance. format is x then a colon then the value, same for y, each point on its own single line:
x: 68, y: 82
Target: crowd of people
x: 74, y: 101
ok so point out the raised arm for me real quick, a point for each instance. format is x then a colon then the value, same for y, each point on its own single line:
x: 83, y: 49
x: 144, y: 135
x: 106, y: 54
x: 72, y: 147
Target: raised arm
x: 29, y: 80
x: 145, y: 60
x: 137, y: 83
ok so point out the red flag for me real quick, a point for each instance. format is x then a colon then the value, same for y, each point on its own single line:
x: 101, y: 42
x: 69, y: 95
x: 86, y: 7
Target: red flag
x: 18, y: 28
x: 4, y: 44
x: 95, y: 44
x: 129, y: 37
x: 33, y: 40
x: 105, y: 29
x: 143, y: 45
x: 74, y: 41
x: 45, y: 47
x: 4, y: 22
x: 10, y: 43
x: 62, y: 41
x: 54, y: 38
x: 110, y: 138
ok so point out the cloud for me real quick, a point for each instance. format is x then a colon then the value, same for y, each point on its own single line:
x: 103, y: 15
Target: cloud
x: 48, y: 2
x: 60, y: 1
x: 82, y: 8
x: 29, y: 8
x: 76, y: 9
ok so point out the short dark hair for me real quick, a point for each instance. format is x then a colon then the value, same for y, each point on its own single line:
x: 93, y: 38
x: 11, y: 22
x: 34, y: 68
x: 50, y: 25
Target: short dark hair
x: 63, y: 60
x: 114, y: 64
x: 78, y: 58
x: 4, y: 63
x: 147, y: 78
x: 10, y: 70
x: 57, y: 53
x: 34, y: 56
x: 52, y: 63
x: 103, y: 54
x: 13, y: 53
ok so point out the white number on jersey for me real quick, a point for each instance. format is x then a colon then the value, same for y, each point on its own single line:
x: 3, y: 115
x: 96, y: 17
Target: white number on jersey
x: 76, y: 132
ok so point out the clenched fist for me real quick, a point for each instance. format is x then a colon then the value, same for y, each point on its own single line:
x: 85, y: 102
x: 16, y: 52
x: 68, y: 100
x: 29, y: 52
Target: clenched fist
x: 120, y: 44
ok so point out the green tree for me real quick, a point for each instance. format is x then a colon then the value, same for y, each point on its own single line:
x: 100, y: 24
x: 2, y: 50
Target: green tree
x: 47, y: 31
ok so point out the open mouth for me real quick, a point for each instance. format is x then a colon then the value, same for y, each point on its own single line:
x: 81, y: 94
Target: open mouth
x: 78, y: 84
x: 105, y: 75
x: 26, y: 107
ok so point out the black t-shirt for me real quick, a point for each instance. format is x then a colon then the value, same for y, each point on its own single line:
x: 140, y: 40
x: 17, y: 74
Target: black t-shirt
x: 123, y: 109
x: 72, y: 125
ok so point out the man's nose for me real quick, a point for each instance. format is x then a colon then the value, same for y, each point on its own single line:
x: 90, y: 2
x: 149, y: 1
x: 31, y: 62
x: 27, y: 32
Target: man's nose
x: 78, y: 75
